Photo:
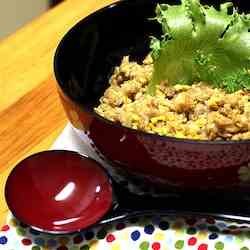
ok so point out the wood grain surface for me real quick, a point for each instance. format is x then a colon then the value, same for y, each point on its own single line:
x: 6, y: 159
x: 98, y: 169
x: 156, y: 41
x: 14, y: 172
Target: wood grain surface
x: 31, y: 116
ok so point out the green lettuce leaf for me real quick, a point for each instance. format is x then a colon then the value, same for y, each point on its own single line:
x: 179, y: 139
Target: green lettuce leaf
x: 201, y: 43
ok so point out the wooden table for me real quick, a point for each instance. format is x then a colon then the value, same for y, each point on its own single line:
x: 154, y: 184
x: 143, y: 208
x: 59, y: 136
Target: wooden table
x: 31, y: 116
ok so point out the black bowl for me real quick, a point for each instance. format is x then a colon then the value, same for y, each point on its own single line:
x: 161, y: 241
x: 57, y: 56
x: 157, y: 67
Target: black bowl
x: 84, y: 61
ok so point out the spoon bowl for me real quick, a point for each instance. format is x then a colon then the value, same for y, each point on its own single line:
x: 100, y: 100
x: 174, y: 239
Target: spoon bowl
x: 58, y: 191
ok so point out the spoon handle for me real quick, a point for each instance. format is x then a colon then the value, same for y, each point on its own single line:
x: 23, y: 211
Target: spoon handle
x: 232, y: 206
x: 124, y: 215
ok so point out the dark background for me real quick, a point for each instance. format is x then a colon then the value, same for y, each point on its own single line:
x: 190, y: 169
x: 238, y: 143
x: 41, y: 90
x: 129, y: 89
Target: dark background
x: 54, y: 2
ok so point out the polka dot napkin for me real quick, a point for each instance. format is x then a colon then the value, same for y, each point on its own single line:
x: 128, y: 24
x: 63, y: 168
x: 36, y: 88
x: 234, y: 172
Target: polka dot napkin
x: 145, y: 233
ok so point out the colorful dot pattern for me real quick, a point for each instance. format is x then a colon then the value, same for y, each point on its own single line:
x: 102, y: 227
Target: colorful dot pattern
x: 161, y: 233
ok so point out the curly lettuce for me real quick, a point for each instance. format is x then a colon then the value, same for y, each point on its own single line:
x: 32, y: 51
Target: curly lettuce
x: 201, y: 43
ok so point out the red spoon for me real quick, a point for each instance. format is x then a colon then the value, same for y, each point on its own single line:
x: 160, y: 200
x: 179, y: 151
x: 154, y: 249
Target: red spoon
x: 58, y: 191
x: 62, y: 192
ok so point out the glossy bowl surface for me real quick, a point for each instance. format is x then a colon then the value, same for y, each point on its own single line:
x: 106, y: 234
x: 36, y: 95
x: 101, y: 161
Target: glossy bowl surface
x: 84, y: 61
x: 58, y: 191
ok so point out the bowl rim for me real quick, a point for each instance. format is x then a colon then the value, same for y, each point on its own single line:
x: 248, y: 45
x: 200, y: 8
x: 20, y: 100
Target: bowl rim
x: 60, y: 82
